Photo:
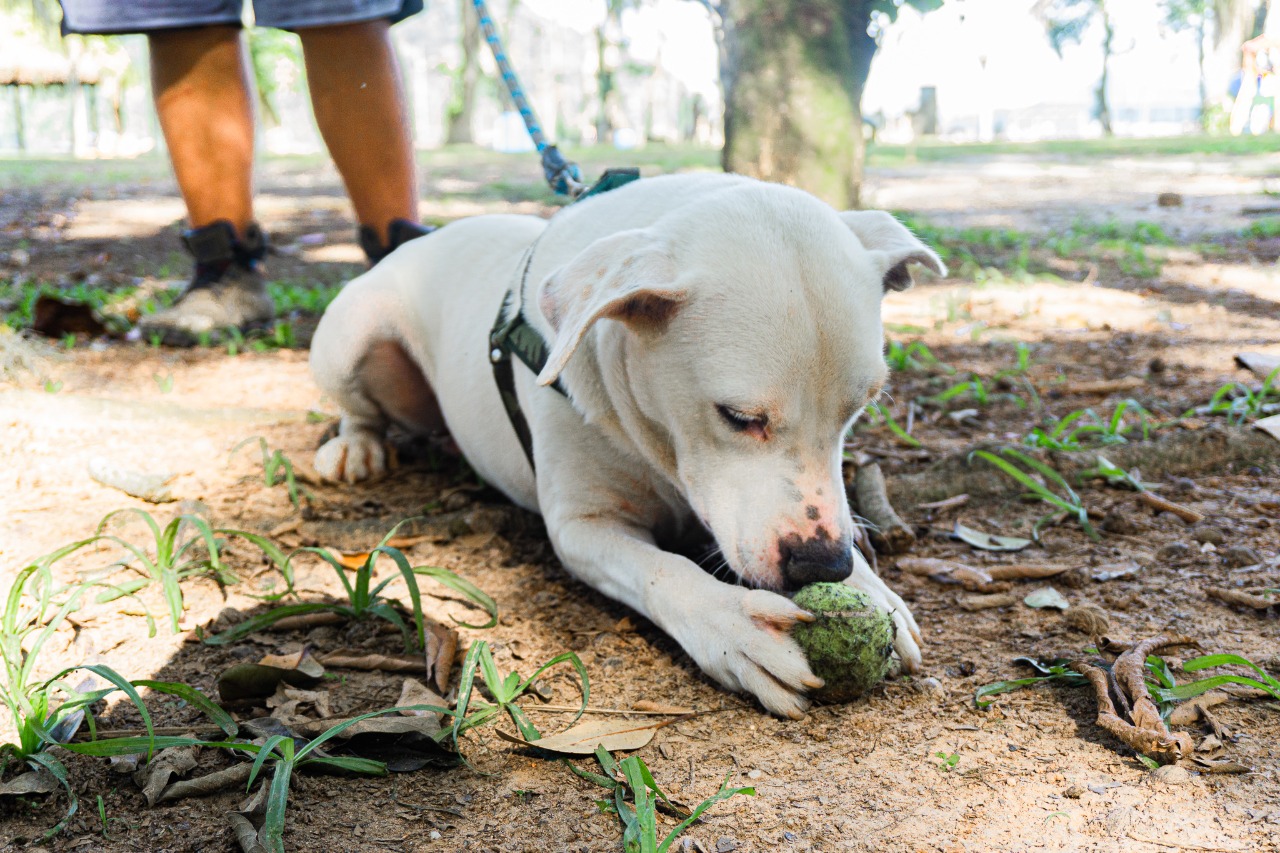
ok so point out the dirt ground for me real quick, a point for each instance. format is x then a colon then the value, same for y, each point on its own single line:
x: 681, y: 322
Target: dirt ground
x: 915, y: 766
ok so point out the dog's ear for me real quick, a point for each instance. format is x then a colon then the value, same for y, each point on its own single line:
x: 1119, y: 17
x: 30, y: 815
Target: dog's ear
x: 891, y: 246
x: 628, y: 277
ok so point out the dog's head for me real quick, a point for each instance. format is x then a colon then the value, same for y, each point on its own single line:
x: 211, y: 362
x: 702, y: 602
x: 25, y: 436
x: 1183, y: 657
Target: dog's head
x: 736, y: 340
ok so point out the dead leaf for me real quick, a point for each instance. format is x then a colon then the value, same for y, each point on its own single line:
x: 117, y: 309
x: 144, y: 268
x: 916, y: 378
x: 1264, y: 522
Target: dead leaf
x: 1046, y: 597
x: 286, y: 700
x: 57, y: 318
x: 32, y: 782
x: 247, y: 681
x: 349, y: 659
x: 1188, y: 713
x: 234, y: 776
x: 150, y: 487
x: 1021, y: 571
x: 1259, y: 364
x: 1111, y: 571
x: 404, y: 744
x: 414, y: 692
x: 167, y: 763
x: 1205, y: 765
x: 1256, y: 599
x: 585, y: 738
x: 988, y: 541
x: 442, y: 647
x: 1271, y: 426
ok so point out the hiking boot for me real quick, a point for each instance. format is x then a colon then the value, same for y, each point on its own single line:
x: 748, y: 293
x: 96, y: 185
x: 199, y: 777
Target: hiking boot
x: 226, y: 292
x: 400, y: 231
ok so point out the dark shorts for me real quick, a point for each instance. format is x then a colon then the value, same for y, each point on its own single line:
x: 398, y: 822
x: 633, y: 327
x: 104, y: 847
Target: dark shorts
x: 103, y: 17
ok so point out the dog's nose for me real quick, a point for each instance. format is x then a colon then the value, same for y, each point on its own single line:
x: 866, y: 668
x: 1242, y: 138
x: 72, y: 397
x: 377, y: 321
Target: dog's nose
x: 818, y: 560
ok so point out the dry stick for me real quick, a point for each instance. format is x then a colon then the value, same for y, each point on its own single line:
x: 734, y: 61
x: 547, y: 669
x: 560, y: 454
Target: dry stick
x: 1101, y: 386
x: 306, y: 620
x: 1179, y: 454
x: 1147, y: 733
x: 1241, y: 598
x: 986, y: 602
x: 889, y: 533
x: 1190, y: 516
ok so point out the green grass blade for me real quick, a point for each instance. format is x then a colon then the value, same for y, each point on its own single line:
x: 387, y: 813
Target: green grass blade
x: 466, y: 682
x: 282, y: 561
x: 59, y: 771
x: 465, y: 587
x: 411, y: 581
x: 578, y: 666
x: 268, y: 747
x: 351, y: 764
x: 724, y: 793
x: 265, y: 620
x: 194, y: 697
x: 277, y: 802
x: 1208, y: 661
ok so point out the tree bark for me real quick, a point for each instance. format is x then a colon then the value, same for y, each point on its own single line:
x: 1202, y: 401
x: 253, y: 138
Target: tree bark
x: 462, y: 107
x: 793, y: 73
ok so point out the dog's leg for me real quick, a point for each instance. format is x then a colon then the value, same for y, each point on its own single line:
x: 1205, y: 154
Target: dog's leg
x: 740, y: 637
x: 907, y: 638
x: 358, y: 360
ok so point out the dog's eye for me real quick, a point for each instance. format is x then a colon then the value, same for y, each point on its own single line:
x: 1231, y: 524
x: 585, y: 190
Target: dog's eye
x: 742, y: 422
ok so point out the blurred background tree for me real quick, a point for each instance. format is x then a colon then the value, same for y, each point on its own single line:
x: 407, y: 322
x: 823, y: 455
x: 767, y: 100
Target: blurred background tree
x: 793, y: 73
x: 1065, y: 22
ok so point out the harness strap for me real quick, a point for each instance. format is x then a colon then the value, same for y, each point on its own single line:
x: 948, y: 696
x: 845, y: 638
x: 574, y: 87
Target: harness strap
x: 513, y: 335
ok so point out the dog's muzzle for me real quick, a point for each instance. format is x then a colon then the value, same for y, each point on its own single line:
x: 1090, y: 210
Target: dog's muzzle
x: 817, y: 560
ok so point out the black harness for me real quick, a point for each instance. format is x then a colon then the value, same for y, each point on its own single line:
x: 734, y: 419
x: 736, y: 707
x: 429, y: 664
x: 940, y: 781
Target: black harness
x: 513, y: 335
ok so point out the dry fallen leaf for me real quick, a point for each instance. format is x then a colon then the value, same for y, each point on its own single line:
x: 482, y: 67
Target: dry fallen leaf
x: 1046, y: 597
x: 988, y: 541
x: 414, y: 692
x: 585, y: 738
x: 1271, y: 426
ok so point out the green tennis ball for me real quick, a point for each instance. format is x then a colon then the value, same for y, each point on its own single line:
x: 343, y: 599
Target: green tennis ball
x: 849, y: 645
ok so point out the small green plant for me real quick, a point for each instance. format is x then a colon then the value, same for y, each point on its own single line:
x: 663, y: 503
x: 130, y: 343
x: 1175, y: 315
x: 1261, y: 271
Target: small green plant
x: 1160, y: 681
x: 946, y: 762
x: 504, y: 691
x: 164, y: 383
x: 171, y: 559
x: 276, y: 469
x: 878, y: 414
x: 1240, y: 403
x: 972, y: 388
x: 913, y: 356
x: 1115, y: 475
x: 52, y: 387
x: 1068, y: 501
x: 283, y: 754
x: 631, y: 780
x: 365, y: 599
x: 47, y: 712
x: 1084, y: 428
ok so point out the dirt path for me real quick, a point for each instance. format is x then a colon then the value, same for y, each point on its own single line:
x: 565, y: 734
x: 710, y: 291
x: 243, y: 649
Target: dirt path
x: 913, y: 767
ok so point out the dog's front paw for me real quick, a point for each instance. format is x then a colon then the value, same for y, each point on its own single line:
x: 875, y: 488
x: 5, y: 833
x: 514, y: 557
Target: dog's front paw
x: 352, y: 456
x: 907, y: 637
x: 744, y: 642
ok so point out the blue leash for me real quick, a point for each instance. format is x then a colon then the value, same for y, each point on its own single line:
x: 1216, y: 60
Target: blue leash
x: 564, y: 177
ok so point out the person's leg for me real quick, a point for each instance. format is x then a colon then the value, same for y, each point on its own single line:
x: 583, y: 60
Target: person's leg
x: 200, y: 84
x: 360, y: 107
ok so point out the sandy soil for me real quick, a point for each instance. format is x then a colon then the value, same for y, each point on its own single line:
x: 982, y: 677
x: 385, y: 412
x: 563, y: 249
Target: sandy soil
x: 1033, y: 772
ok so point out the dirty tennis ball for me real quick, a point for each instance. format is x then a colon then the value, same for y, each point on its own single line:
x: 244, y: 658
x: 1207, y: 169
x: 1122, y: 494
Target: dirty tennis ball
x: 849, y: 645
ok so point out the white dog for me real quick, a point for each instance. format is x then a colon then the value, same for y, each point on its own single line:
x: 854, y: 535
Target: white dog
x: 709, y: 339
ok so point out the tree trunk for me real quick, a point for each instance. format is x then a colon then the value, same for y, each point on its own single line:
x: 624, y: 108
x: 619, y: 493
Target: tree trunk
x: 462, y: 107
x: 1103, y: 104
x: 793, y: 73
x: 1204, y: 84
x: 609, y: 116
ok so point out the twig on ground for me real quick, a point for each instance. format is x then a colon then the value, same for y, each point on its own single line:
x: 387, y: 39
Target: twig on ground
x: 1242, y: 597
x: 1147, y: 733
x: 1102, y: 386
x: 1190, y: 516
